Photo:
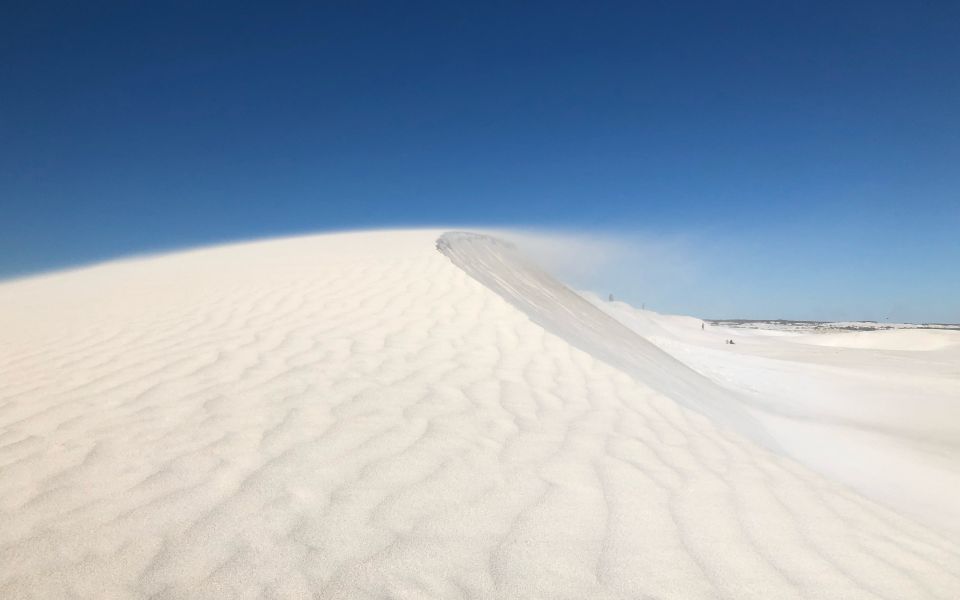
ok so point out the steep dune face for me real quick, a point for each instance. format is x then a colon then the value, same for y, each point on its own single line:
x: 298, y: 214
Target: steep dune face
x: 565, y: 313
x: 356, y: 415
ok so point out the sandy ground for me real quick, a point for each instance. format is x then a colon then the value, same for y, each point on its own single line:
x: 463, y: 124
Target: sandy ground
x: 360, y: 415
x: 878, y: 410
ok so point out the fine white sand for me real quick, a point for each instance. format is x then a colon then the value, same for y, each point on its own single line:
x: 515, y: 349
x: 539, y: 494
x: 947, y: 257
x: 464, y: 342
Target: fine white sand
x: 878, y: 410
x: 359, y: 415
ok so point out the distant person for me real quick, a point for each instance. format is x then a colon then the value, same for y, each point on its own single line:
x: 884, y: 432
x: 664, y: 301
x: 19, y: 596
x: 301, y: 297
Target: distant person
x: 611, y: 298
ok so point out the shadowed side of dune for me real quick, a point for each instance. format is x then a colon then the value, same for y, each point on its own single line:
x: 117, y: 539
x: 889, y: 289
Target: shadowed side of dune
x: 500, y: 267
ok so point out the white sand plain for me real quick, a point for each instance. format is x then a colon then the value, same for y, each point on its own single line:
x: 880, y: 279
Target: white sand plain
x: 361, y: 416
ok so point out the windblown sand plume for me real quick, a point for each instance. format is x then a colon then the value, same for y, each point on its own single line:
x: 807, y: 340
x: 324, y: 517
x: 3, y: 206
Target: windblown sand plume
x: 363, y: 416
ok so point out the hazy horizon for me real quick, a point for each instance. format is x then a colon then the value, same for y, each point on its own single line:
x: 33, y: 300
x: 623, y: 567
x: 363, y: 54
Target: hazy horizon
x: 644, y: 271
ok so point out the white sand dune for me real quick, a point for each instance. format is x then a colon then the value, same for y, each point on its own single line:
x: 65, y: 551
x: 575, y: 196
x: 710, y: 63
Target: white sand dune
x: 359, y: 415
x: 915, y: 340
x: 878, y: 410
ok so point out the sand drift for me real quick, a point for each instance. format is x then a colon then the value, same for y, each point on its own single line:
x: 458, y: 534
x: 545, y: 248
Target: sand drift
x: 359, y: 415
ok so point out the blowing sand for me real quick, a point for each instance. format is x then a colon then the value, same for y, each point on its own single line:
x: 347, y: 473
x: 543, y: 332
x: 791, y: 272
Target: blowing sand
x: 360, y: 415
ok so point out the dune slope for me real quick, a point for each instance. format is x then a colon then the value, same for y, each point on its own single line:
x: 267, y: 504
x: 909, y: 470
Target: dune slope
x: 560, y: 310
x: 358, y: 415
x: 877, y: 410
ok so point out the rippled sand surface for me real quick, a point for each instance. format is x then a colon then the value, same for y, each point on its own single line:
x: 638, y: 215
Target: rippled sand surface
x: 362, y: 416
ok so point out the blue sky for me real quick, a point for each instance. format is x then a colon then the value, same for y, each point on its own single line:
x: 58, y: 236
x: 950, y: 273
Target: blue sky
x: 799, y: 159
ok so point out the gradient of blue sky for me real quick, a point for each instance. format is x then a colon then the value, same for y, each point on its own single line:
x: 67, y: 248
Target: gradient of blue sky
x: 806, y: 154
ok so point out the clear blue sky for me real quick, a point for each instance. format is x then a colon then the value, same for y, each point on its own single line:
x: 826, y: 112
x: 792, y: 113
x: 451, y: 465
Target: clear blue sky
x: 809, y: 152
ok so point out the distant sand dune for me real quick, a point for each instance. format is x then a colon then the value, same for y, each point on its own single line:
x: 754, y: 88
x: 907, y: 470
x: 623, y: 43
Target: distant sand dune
x: 354, y: 415
x: 913, y: 340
